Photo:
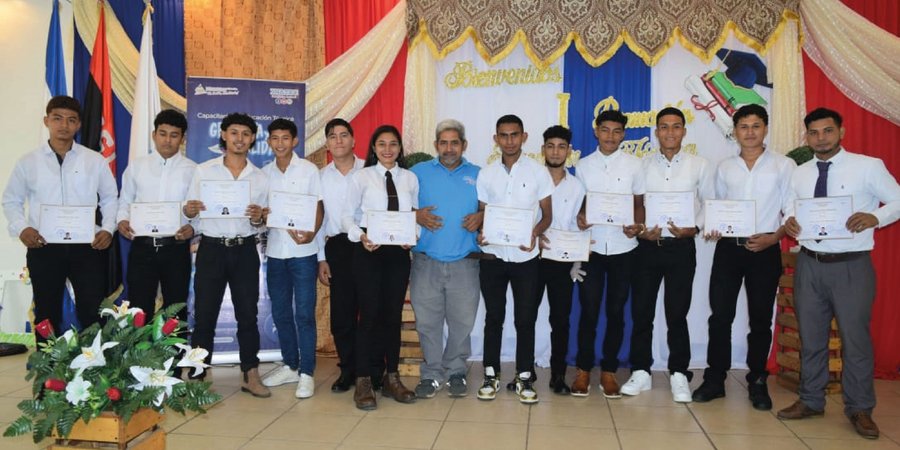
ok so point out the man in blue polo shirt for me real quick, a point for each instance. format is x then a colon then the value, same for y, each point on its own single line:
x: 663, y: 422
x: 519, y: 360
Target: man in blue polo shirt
x: 444, y: 284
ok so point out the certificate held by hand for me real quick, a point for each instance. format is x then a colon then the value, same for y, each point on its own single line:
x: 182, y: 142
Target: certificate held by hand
x: 609, y: 209
x: 155, y: 219
x: 567, y: 246
x: 731, y: 218
x: 669, y: 208
x: 824, y: 217
x: 391, y: 227
x: 67, y: 224
x: 224, y: 199
x: 508, y: 226
x: 292, y: 211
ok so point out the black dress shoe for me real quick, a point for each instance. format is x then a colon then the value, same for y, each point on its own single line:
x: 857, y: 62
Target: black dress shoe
x: 759, y: 395
x: 558, y: 385
x: 708, y: 391
x: 344, y: 382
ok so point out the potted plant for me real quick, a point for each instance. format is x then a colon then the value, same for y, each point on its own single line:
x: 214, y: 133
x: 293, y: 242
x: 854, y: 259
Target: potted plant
x: 122, y: 369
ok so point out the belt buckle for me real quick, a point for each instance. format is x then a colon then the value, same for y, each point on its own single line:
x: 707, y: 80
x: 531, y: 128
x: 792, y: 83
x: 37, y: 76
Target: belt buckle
x: 740, y: 241
x: 155, y: 245
x: 233, y: 242
x: 659, y: 242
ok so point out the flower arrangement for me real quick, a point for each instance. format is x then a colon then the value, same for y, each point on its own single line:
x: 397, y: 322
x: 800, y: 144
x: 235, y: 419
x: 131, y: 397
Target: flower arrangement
x: 121, y: 366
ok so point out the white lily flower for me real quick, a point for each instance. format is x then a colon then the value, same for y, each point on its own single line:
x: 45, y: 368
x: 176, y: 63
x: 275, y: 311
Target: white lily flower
x: 120, y: 313
x: 147, y: 377
x: 78, y: 391
x: 193, y: 357
x: 69, y: 336
x: 92, y: 356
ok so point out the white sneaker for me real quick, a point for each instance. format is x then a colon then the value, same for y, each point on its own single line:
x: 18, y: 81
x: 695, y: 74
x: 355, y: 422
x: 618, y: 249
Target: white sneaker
x: 681, y: 388
x: 639, y: 381
x: 305, y: 387
x: 279, y: 376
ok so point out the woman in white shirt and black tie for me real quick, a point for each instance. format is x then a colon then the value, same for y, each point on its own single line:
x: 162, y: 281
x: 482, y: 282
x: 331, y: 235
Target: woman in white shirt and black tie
x: 381, y: 272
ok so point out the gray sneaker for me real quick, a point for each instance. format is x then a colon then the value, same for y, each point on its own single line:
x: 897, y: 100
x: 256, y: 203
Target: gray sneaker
x: 427, y: 388
x: 456, y: 387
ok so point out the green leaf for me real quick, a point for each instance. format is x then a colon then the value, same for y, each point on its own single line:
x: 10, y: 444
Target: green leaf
x: 21, y: 426
x: 31, y: 407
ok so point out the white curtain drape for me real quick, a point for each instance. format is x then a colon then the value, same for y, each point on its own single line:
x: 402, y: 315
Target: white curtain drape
x: 785, y: 63
x: 860, y: 58
x: 419, y: 99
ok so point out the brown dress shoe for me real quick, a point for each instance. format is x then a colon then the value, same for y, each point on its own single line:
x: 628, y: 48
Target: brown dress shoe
x: 864, y: 425
x: 252, y: 383
x: 364, y: 396
x: 798, y: 410
x: 581, y: 387
x: 392, y: 387
x: 610, y: 385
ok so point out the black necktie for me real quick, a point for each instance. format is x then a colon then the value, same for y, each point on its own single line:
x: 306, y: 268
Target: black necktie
x: 393, y: 202
x: 822, y: 181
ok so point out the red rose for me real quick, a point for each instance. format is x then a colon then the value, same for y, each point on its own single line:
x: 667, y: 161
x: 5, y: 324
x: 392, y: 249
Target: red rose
x: 140, y: 319
x: 114, y: 394
x: 55, y: 384
x: 169, y: 326
x: 44, y: 328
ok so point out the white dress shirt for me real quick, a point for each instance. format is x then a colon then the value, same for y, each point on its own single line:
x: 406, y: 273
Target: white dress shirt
x: 618, y: 173
x: 39, y: 179
x: 684, y: 173
x: 567, y: 198
x: 864, y: 178
x: 300, y: 177
x: 215, y: 170
x: 768, y: 184
x: 524, y: 186
x: 334, y: 197
x: 152, y: 178
x: 367, y: 191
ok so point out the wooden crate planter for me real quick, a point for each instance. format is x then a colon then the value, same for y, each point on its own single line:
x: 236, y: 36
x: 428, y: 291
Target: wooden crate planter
x: 787, y: 355
x: 108, y: 430
x: 410, y: 350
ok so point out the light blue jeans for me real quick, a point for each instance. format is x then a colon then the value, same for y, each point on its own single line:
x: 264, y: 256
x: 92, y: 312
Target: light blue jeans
x: 295, y: 320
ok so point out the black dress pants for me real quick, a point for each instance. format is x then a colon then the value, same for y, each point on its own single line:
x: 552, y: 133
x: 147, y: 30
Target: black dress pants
x: 167, y: 266
x: 733, y: 265
x: 672, y: 260
x: 495, y: 276
x: 50, y: 265
x: 614, y: 272
x: 556, y: 278
x: 342, y: 294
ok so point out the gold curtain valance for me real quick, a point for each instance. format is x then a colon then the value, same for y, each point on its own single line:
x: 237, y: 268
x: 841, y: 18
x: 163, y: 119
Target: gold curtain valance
x: 598, y: 28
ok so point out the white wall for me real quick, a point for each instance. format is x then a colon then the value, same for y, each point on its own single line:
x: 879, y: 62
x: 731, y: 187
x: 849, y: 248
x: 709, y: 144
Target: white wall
x: 23, y: 94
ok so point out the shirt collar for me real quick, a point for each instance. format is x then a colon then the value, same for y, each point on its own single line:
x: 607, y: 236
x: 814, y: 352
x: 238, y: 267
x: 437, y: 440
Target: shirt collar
x: 357, y: 164
x: 246, y: 171
x: 173, y: 159
x: 463, y: 162
x: 382, y: 170
x: 607, y: 158
x: 660, y: 158
x: 838, y: 157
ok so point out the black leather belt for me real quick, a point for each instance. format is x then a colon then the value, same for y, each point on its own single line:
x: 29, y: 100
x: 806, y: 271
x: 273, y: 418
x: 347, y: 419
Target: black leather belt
x: 157, y: 242
x: 230, y: 242
x: 832, y: 257
x: 670, y: 241
x: 741, y: 241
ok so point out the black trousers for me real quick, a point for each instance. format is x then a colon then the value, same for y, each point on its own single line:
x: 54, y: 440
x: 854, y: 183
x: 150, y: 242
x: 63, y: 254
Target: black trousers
x: 672, y: 260
x: 342, y: 294
x: 732, y: 265
x: 168, y: 267
x: 381, y: 278
x: 614, y: 272
x: 555, y: 277
x: 237, y: 267
x: 50, y: 265
x: 525, y: 279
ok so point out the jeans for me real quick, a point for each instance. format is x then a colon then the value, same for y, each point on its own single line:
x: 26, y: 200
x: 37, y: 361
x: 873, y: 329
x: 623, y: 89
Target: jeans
x: 525, y: 278
x: 287, y: 279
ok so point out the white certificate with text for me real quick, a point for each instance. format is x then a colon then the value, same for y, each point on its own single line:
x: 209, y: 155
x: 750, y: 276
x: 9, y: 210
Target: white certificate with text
x: 609, y: 209
x: 731, y: 218
x: 824, y: 217
x: 155, y: 219
x: 567, y: 246
x: 67, y: 224
x: 391, y: 227
x: 508, y: 226
x: 224, y: 199
x: 665, y: 208
x: 292, y: 211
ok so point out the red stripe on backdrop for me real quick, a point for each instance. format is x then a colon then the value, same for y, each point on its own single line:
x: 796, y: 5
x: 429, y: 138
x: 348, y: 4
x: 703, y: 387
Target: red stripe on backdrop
x: 346, y: 21
x: 874, y: 136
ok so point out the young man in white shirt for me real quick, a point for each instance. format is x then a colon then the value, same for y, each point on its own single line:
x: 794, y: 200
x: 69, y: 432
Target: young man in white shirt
x: 763, y: 176
x: 568, y: 195
x: 668, y: 254
x: 291, y: 266
x: 611, y: 263
x: 513, y: 181
x: 227, y: 254
x: 62, y: 172
x: 336, y: 250
x: 158, y: 260
x: 835, y: 278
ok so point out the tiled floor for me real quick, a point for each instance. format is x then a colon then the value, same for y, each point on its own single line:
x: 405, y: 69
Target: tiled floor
x: 648, y: 421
